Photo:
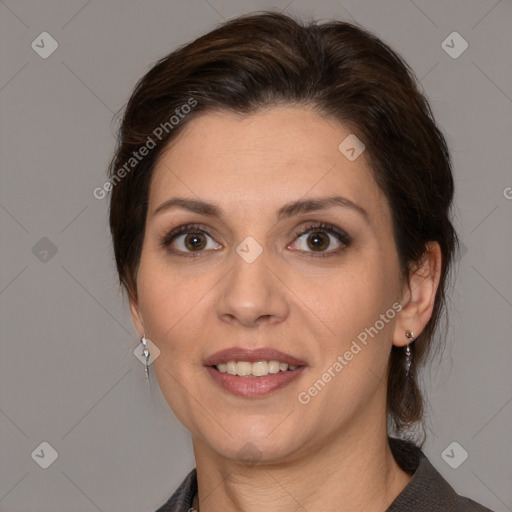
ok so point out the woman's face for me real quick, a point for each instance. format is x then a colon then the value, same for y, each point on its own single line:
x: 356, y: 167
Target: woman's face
x: 269, y: 270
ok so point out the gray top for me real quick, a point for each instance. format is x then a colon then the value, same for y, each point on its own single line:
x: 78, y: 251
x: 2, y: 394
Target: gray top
x: 427, y: 491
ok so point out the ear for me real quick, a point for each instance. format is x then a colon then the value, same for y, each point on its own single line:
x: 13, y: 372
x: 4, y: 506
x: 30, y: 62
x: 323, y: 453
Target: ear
x: 137, y: 317
x: 418, y: 295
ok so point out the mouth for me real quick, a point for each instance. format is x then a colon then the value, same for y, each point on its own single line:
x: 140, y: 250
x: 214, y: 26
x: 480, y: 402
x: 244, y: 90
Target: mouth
x: 256, y: 369
x: 253, y: 373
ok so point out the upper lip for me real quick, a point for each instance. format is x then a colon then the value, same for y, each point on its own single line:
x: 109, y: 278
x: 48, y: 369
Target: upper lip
x: 251, y: 355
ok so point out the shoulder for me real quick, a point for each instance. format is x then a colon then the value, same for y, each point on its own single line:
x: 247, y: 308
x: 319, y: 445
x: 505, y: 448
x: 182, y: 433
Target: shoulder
x: 468, y: 505
x: 427, y: 490
x: 181, y: 500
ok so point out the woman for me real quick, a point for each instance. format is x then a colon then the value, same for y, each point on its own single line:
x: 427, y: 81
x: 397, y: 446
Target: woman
x: 280, y: 215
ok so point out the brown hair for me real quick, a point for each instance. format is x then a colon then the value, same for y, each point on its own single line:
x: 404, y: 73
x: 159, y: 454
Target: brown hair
x: 342, y: 71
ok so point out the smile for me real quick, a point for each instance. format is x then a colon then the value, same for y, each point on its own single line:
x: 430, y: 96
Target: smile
x: 256, y: 369
x: 253, y: 373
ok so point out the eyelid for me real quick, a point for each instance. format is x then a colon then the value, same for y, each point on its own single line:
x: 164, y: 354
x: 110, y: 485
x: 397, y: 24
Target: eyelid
x: 184, y: 229
x: 342, y: 236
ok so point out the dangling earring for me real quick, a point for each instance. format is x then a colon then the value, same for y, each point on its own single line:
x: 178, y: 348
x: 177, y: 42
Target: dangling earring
x: 408, y: 352
x: 146, y: 354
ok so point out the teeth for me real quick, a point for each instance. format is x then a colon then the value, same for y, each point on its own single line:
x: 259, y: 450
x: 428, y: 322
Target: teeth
x: 273, y: 367
x: 257, y: 369
x: 243, y: 368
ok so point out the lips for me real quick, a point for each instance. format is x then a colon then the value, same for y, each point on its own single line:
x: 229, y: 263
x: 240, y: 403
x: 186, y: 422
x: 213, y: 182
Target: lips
x: 252, y: 356
x: 251, y: 386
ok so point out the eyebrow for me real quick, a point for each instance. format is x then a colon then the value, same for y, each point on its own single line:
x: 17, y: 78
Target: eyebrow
x: 301, y: 206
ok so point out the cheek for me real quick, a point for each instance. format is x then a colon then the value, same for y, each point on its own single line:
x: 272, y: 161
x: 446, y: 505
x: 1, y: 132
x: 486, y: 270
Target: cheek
x: 166, y: 302
x: 351, y: 362
x: 168, y: 296
x: 171, y: 306
x: 349, y: 299
x: 355, y: 310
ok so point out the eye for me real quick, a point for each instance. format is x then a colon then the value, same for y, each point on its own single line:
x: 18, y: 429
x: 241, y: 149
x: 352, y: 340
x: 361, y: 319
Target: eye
x: 315, y: 238
x: 319, y: 237
x: 189, y: 238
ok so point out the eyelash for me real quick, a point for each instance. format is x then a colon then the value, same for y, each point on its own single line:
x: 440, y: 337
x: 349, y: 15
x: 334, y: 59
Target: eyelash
x: 323, y: 227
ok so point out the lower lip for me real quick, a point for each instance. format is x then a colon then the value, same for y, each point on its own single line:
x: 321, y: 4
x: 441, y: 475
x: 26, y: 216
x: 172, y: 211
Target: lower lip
x: 253, y: 387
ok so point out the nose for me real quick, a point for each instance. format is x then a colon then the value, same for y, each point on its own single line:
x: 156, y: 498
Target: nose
x: 252, y: 294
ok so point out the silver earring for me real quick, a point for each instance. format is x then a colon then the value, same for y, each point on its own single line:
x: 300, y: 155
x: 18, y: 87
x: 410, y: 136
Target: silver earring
x: 408, y: 352
x: 146, y: 354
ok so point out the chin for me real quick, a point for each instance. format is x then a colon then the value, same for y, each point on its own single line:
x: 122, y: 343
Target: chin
x: 249, y: 445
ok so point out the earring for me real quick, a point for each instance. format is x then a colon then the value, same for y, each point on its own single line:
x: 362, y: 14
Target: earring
x: 146, y: 354
x: 408, y: 352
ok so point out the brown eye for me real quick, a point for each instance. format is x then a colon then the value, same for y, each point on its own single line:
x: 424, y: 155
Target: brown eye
x: 188, y: 239
x: 319, y: 237
x: 318, y: 241
x: 195, y: 241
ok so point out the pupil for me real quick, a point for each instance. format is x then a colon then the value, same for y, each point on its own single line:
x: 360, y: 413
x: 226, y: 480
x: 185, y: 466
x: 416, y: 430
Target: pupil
x: 194, y: 241
x: 318, y: 243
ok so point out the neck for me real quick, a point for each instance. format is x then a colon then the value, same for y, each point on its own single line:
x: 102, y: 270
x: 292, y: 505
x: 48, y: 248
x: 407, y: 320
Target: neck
x: 351, y: 472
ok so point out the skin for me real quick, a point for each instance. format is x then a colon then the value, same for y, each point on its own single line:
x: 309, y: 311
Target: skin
x: 332, y: 453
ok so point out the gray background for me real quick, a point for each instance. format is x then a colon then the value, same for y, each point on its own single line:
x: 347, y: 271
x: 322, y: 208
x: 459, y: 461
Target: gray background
x: 68, y: 374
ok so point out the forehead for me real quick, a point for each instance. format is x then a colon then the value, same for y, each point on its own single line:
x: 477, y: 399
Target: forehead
x: 262, y: 161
